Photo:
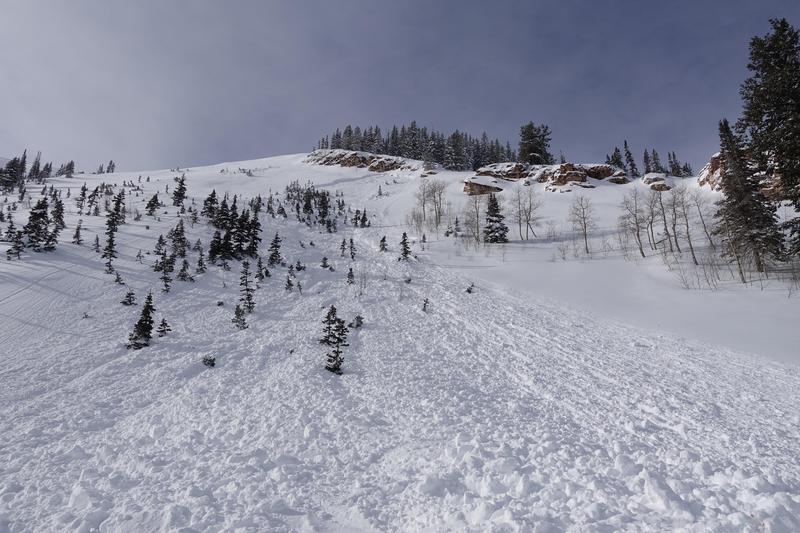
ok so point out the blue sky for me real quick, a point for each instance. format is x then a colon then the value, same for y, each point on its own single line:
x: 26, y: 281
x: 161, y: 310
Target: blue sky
x: 156, y: 84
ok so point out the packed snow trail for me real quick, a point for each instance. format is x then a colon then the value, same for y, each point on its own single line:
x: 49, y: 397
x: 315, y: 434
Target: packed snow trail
x: 488, y: 413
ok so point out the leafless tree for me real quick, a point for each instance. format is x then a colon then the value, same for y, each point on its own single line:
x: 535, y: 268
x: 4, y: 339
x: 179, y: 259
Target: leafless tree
x: 526, y: 210
x: 473, y: 217
x: 700, y: 201
x: 435, y: 192
x: 680, y: 203
x: 633, y: 219
x: 663, y: 213
x: 581, y: 215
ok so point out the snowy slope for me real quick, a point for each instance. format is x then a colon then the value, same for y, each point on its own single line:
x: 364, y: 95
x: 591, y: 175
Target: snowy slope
x: 493, y: 411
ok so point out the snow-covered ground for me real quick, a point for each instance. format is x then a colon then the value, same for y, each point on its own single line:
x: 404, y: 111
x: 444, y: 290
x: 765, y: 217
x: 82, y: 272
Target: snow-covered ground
x: 586, y: 395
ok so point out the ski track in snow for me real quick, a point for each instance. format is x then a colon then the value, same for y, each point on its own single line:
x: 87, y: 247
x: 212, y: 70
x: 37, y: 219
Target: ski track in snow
x: 489, y: 413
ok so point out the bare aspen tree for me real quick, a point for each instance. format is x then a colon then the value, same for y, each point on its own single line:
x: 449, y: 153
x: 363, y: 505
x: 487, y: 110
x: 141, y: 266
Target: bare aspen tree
x: 473, y: 217
x: 526, y: 204
x: 680, y: 199
x: 663, y: 213
x: 633, y: 219
x: 699, y: 200
x: 673, y: 219
x: 581, y: 215
x: 651, y: 212
x: 435, y: 191
x: 423, y: 196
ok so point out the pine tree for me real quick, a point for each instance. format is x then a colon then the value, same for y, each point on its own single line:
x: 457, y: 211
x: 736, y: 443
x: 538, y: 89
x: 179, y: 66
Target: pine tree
x: 495, y: 230
x: 324, y: 263
x: 129, y: 299
x: 184, y: 274
x: 274, y: 251
x: 152, y: 205
x: 76, y: 237
x: 335, y: 338
x: 201, y: 263
x: 163, y: 328
x: 351, y: 278
x: 143, y: 330
x: 239, y: 317
x: 289, y: 284
x: 96, y: 245
x: 745, y: 220
x: 425, y: 305
x: 633, y: 171
x: 179, y: 194
x: 57, y: 214
x: 17, y: 245
x: 534, y: 144
x: 405, y: 249
x: 36, y: 230
x: 771, y: 115
x: 382, y: 246
x: 648, y: 167
x: 246, y: 289
x: 352, y: 249
x: 343, y: 247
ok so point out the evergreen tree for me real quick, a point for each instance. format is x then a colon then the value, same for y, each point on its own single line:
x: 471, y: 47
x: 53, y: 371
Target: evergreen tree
x: 143, y: 330
x: 351, y: 278
x: 152, y: 205
x: 179, y: 194
x: 36, y: 230
x: 246, y: 289
x: 495, y: 230
x: 17, y: 245
x: 745, y: 220
x: 382, y: 247
x: 163, y: 328
x: 201, y: 263
x: 129, y: 299
x: 343, y: 247
x: 352, y: 249
x: 184, y: 274
x: 289, y: 284
x: 76, y: 237
x: 324, y: 263
x: 274, y: 251
x: 648, y: 166
x: 96, y: 245
x: 335, y: 338
x: 405, y: 249
x: 534, y: 144
x: 630, y: 162
x: 771, y: 115
x: 239, y: 317
x: 57, y: 213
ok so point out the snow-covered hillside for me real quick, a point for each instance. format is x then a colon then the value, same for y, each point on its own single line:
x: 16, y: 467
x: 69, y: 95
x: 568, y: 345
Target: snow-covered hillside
x: 554, y: 396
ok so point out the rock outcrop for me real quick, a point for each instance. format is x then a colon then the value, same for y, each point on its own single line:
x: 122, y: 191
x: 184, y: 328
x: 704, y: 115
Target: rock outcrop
x: 712, y: 171
x: 349, y: 158
x: 506, y: 171
x: 477, y: 185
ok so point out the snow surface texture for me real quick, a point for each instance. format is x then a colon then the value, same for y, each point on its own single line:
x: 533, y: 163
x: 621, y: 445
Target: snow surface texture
x: 490, y: 412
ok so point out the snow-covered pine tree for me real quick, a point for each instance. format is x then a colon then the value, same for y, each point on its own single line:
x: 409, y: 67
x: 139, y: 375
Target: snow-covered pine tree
x: 201, y: 263
x: 239, y: 317
x: 96, y: 245
x: 335, y: 338
x: 143, y: 330
x: 184, y: 274
x: 129, y: 298
x: 17, y: 245
x: 246, y: 290
x: 274, y: 251
x: 76, y: 237
x: 495, y: 230
x: 771, y: 115
x: 352, y: 249
x: 179, y: 194
x: 405, y: 249
x: 163, y: 328
x: 746, y: 221
x: 289, y: 284
x: 382, y: 246
x: 343, y: 247
x: 630, y: 162
x: 351, y: 278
